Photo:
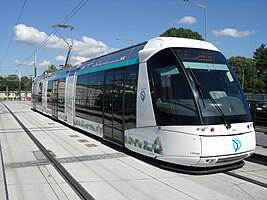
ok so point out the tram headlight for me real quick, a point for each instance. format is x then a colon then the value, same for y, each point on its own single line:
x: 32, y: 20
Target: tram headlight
x: 211, y: 161
x: 212, y: 129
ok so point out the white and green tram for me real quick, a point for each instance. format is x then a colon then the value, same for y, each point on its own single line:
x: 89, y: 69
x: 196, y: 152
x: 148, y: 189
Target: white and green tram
x: 173, y: 99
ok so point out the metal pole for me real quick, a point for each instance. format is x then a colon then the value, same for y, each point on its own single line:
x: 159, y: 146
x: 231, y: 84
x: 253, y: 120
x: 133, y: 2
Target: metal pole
x: 206, y: 22
x: 206, y: 14
x: 69, y: 45
x: 243, y: 77
x: 34, y: 72
x: 7, y: 91
x: 68, y: 57
x: 19, y: 86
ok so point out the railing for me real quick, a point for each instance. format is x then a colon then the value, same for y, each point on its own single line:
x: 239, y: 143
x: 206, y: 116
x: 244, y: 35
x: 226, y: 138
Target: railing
x: 258, y: 111
x: 256, y: 97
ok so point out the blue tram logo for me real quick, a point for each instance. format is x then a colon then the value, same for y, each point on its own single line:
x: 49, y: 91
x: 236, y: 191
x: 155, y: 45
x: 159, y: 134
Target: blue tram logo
x: 143, y: 95
x: 236, y: 144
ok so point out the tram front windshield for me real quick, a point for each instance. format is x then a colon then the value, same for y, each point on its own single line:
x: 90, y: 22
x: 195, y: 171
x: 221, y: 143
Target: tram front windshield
x: 195, y: 86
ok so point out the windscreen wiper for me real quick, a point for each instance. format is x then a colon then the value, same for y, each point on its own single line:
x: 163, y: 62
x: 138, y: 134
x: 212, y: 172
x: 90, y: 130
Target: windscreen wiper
x: 202, y: 90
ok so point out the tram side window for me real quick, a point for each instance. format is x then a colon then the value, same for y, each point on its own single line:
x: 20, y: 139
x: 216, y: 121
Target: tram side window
x: 49, y: 91
x: 130, y: 97
x: 61, y: 95
x: 95, y: 96
x: 171, y: 95
x: 81, y: 96
x: 39, y: 93
x: 34, y: 92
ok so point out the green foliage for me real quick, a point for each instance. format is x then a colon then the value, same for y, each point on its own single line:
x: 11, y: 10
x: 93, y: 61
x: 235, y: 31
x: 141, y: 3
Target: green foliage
x: 25, y: 83
x: 246, y: 72
x: 12, y: 82
x: 260, y: 57
x: 69, y: 65
x: 51, y: 69
x: 182, y: 33
x: 252, y: 73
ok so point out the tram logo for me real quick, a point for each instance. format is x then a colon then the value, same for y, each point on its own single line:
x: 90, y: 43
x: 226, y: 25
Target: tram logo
x: 236, y: 144
x: 143, y: 95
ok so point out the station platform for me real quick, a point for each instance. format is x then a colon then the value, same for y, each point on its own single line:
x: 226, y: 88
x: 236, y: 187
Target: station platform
x: 105, y: 172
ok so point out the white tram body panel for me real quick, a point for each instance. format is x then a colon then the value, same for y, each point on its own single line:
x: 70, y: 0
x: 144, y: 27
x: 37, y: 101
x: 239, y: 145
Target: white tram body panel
x: 189, y: 146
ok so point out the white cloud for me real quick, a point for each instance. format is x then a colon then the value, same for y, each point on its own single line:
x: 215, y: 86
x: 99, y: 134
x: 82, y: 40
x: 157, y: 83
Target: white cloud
x: 186, y: 20
x: 90, y: 48
x: 18, y: 62
x: 75, y: 60
x: 78, y: 59
x: 57, y: 43
x: 44, y: 63
x: 232, y: 32
x: 86, y: 47
x: 28, y: 35
x: 60, y: 58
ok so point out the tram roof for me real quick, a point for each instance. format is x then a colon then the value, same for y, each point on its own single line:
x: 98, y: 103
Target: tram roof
x: 159, y: 43
x: 131, y: 55
x: 123, y: 57
x: 165, y: 42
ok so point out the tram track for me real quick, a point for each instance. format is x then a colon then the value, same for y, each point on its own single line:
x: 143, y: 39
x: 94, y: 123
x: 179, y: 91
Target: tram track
x: 88, y: 196
x: 257, y: 158
x: 247, y: 179
x: 2, y: 168
x: 74, y: 184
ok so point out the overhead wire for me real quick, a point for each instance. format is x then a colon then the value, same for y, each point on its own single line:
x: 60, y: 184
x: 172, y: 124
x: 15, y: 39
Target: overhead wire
x: 12, y: 35
x: 63, y: 22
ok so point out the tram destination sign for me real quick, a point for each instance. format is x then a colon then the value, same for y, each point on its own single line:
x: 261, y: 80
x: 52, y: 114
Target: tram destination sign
x: 198, y: 55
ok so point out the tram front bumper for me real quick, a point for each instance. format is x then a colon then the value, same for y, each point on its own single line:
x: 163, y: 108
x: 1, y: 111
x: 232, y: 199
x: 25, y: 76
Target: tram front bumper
x: 207, y: 151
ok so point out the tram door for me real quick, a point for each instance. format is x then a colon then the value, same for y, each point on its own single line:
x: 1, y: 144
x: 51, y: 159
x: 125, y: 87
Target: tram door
x: 70, y: 97
x: 55, y: 99
x: 113, y: 105
x: 34, y: 95
x: 44, y: 94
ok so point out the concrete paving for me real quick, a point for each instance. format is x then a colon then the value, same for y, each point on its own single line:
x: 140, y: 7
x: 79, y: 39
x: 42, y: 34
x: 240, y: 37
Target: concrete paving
x: 104, y: 172
x: 3, y: 187
x: 27, y: 177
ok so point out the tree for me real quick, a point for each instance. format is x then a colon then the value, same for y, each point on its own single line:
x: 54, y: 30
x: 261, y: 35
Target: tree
x: 12, y: 81
x: 50, y: 69
x: 183, y: 33
x: 25, y: 83
x: 246, y: 73
x: 69, y: 65
x: 260, y: 56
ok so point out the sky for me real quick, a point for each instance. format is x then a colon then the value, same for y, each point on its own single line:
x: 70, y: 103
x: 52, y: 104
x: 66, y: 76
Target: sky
x: 235, y: 27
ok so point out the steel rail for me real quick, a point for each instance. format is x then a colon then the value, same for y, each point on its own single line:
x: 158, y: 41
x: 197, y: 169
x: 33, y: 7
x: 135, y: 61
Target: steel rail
x: 246, y: 179
x: 4, y: 174
x: 75, y: 185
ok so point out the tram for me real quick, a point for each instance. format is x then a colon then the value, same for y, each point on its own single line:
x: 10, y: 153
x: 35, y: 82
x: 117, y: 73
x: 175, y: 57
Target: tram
x: 173, y: 99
